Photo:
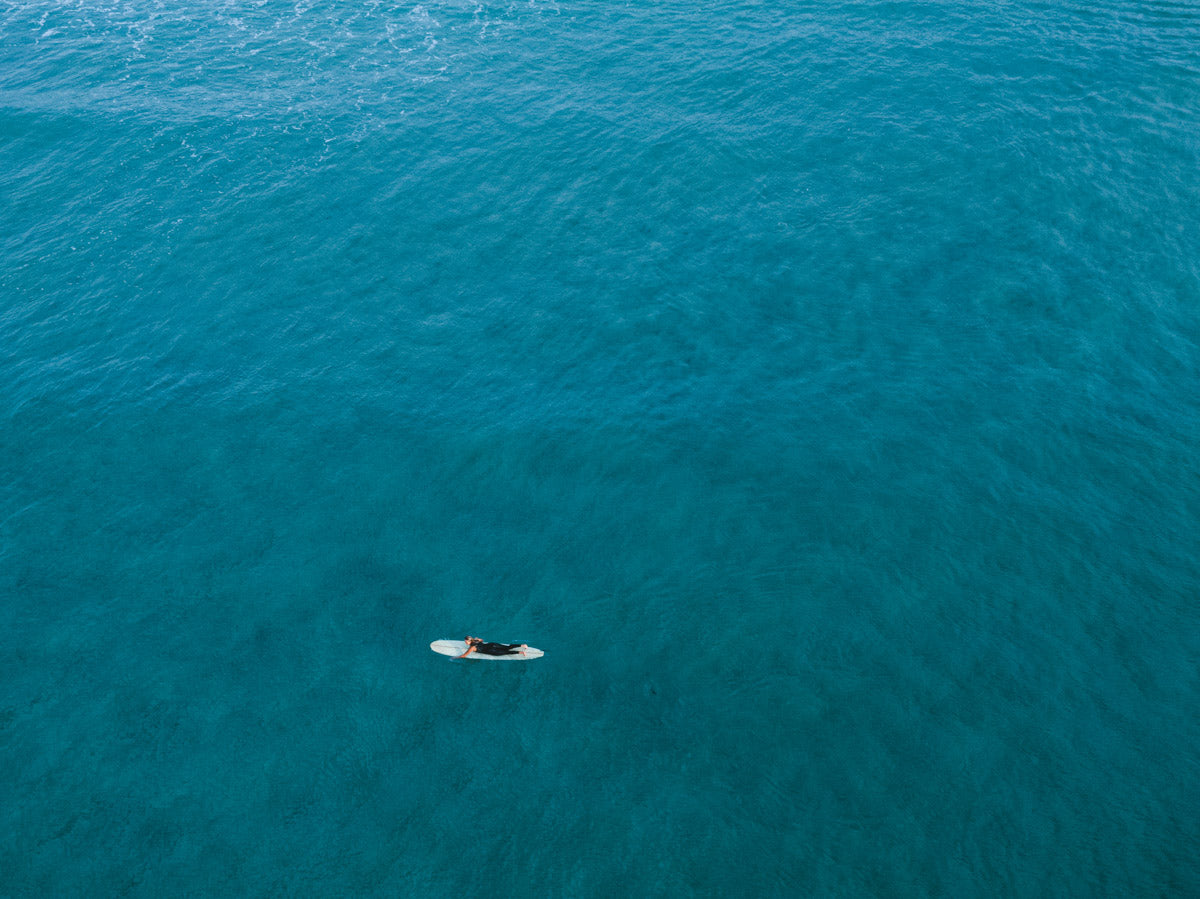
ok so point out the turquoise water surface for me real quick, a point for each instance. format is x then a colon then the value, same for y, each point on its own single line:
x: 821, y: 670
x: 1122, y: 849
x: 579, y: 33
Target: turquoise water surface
x: 818, y: 384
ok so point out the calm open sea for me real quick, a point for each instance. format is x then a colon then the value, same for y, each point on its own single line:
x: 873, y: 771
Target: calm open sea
x: 817, y: 383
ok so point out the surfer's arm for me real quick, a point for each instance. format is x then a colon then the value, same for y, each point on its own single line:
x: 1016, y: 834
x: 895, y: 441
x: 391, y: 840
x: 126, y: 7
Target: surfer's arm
x: 470, y: 649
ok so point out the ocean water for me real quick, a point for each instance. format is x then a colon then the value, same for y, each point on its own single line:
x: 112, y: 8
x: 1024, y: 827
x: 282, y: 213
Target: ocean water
x: 817, y: 383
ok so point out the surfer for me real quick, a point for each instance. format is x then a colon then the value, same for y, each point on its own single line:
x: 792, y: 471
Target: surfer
x: 474, y: 644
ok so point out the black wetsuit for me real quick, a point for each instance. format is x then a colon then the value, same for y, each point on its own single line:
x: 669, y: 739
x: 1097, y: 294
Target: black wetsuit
x: 498, y: 649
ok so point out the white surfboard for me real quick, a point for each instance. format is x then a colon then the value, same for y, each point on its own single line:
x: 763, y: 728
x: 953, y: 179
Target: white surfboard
x: 458, y: 647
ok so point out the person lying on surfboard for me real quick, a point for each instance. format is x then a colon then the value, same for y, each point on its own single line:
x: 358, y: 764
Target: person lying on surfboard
x: 474, y: 644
